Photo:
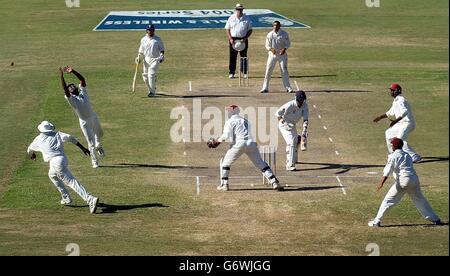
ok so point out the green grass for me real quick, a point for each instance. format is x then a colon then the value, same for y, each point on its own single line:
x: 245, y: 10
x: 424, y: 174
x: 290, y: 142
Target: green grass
x: 155, y: 210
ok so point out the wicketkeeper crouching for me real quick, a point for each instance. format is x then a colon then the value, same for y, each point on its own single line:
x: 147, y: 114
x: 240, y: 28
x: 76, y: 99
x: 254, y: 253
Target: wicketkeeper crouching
x: 288, y: 116
x: 238, y: 128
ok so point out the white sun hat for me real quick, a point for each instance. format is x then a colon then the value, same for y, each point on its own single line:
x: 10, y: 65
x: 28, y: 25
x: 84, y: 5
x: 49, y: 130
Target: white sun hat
x: 239, y: 45
x: 45, y: 127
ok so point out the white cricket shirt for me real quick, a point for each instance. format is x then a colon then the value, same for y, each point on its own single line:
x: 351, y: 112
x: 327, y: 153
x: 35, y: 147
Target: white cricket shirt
x: 401, y: 108
x: 400, y: 163
x: 291, y: 113
x: 277, y: 41
x: 237, y: 128
x: 81, y: 104
x: 51, y: 144
x: 239, y: 27
x: 151, y: 46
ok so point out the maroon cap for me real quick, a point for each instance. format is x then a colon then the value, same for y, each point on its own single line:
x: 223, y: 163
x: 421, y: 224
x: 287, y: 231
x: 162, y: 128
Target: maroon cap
x: 397, y: 143
x: 396, y: 87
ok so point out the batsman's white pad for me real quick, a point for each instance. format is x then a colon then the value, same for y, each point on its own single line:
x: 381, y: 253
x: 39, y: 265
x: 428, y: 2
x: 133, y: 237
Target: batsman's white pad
x: 239, y: 45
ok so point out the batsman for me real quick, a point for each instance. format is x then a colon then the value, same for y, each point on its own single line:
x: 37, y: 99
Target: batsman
x: 238, y: 129
x: 288, y: 117
x: 151, y: 50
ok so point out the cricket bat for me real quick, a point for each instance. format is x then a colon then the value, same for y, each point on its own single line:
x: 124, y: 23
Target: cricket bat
x: 135, y: 76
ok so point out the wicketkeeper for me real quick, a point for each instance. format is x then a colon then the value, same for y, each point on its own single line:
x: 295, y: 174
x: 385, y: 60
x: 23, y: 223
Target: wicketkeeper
x: 151, y: 51
x: 238, y: 129
x: 288, y: 116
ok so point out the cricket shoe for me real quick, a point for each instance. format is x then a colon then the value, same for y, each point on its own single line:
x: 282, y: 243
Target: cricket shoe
x: 94, y: 164
x: 231, y: 76
x: 264, y: 91
x: 222, y: 187
x: 276, y: 186
x: 65, y: 199
x: 93, y: 204
x: 438, y: 222
x: 290, y: 168
x: 374, y: 223
x: 101, y: 152
x: 290, y: 90
x: 303, y: 146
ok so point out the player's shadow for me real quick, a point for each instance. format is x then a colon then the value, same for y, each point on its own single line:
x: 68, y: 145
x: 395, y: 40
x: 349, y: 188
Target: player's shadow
x: 104, y: 208
x: 155, y: 166
x: 298, y: 76
x: 333, y: 166
x: 288, y: 189
x: 162, y: 95
x: 431, y: 159
x: 415, y: 225
x: 339, y: 91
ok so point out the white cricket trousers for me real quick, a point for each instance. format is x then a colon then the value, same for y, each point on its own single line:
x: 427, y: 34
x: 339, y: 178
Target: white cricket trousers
x: 411, y: 186
x: 150, y: 69
x: 271, y: 62
x: 93, y: 132
x: 251, y: 150
x: 401, y: 131
x: 60, y: 174
x: 290, y: 135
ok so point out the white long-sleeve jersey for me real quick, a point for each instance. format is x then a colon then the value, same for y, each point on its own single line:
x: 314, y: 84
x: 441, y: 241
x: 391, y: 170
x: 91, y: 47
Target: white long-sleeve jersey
x: 238, y: 129
x: 51, y: 144
x: 291, y: 113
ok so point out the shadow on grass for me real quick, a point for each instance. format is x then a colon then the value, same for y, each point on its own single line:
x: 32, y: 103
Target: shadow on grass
x: 136, y: 165
x: 333, y: 166
x: 298, y: 76
x: 431, y: 159
x: 104, y: 208
x: 161, y: 95
x: 109, y: 208
x: 415, y: 225
x: 289, y: 189
x: 339, y: 91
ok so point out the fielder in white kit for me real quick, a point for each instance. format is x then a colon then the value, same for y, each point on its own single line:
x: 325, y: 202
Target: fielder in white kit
x: 277, y: 43
x: 237, y: 128
x: 78, y: 98
x: 400, y: 164
x: 402, y: 121
x: 288, y: 117
x: 151, y: 51
x: 51, y: 144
